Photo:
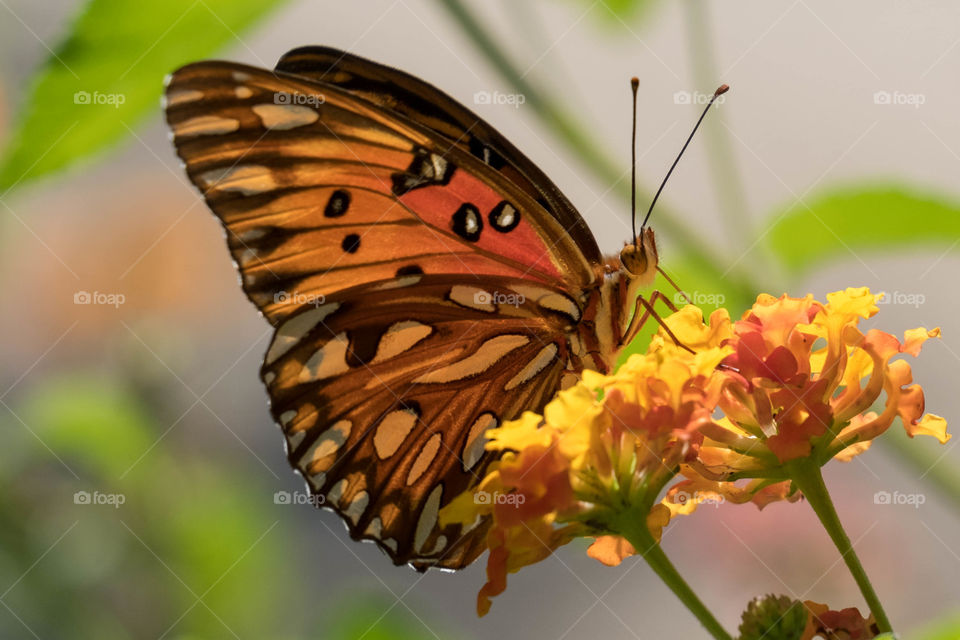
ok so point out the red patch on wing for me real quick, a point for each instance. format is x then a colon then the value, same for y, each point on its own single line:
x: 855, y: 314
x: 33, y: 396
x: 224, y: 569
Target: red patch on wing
x: 436, y: 205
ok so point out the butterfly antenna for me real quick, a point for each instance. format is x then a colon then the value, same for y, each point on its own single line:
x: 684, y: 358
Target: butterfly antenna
x: 634, y: 84
x: 716, y: 94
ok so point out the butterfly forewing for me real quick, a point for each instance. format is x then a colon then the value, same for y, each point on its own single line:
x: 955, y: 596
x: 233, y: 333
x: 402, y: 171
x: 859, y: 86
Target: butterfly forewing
x: 427, y: 105
x: 384, y: 392
x: 321, y: 190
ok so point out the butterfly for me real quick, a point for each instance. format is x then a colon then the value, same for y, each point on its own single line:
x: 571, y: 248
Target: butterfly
x: 425, y: 280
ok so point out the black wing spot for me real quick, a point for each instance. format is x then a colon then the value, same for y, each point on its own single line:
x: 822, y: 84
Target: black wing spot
x: 410, y: 270
x: 426, y: 169
x: 363, y: 345
x: 467, y: 222
x: 337, y: 204
x: 351, y: 243
x: 504, y: 217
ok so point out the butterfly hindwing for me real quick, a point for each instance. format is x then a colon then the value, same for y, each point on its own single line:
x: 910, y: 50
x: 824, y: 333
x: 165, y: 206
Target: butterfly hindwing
x: 384, y: 392
x: 321, y: 190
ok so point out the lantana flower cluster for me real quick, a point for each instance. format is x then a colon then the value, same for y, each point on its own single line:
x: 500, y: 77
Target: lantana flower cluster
x: 730, y: 412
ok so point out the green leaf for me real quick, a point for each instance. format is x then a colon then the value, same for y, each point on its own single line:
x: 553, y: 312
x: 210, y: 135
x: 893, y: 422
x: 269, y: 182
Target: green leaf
x: 108, y: 74
x: 848, y: 221
x: 947, y: 629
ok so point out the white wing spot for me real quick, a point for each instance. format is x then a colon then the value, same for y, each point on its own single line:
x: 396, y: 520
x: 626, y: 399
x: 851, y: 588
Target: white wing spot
x: 476, y: 440
x: 422, y: 463
x: 375, y: 528
x: 206, y: 126
x: 561, y: 303
x: 247, y: 179
x: 182, y: 96
x: 439, y: 546
x: 317, y: 480
x: 336, y: 492
x: 400, y: 337
x: 243, y: 92
x: 246, y: 257
x: 357, y: 506
x: 399, y: 283
x: 428, y: 518
x: 392, y: 431
x: 282, y: 117
x: 535, y: 366
x: 485, y: 357
x: 327, y: 361
x: 472, y: 298
x: 293, y: 330
x: 326, y: 444
x: 547, y: 299
x: 249, y: 235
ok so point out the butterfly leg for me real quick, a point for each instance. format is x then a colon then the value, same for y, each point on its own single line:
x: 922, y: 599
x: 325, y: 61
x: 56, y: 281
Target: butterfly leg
x: 674, y: 285
x: 649, y: 312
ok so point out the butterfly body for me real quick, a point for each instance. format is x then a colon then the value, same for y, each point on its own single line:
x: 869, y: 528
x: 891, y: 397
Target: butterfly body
x: 425, y: 280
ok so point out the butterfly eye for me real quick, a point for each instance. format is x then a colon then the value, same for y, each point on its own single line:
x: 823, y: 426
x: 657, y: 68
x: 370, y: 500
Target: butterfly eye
x: 634, y: 260
x: 640, y: 259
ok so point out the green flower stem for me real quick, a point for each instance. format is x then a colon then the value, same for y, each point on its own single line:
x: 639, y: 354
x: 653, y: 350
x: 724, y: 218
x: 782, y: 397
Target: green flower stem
x: 809, y: 480
x: 633, y: 527
x: 700, y: 255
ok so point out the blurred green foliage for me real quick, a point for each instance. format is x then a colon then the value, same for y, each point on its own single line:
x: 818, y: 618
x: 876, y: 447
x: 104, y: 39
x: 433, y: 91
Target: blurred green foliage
x: 106, y: 76
x: 195, y: 550
x: 832, y: 224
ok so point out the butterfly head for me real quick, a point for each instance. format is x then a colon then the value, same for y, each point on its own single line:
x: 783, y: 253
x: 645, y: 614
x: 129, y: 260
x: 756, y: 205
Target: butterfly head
x: 639, y: 259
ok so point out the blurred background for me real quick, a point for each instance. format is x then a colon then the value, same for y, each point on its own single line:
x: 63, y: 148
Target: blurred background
x: 139, y: 466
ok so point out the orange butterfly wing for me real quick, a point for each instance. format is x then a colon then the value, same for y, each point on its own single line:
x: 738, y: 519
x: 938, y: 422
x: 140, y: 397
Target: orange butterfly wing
x: 334, y: 191
x: 383, y: 253
x: 428, y: 106
x: 384, y: 393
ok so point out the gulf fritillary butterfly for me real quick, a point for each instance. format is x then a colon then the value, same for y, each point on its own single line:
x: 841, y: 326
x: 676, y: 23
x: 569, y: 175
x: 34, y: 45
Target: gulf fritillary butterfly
x: 426, y: 280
